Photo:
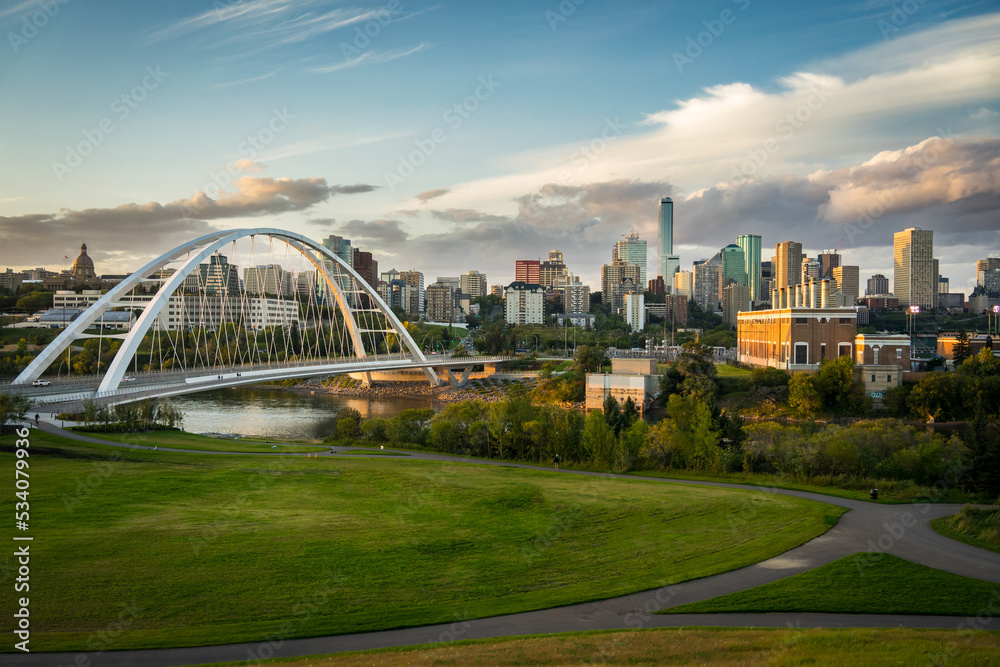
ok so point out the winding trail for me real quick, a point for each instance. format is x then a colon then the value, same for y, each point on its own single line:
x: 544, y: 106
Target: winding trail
x: 868, y: 529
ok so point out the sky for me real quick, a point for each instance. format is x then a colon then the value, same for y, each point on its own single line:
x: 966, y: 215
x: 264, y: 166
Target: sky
x: 449, y: 136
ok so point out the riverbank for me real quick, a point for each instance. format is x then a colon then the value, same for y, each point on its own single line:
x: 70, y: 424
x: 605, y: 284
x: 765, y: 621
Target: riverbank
x: 394, y: 389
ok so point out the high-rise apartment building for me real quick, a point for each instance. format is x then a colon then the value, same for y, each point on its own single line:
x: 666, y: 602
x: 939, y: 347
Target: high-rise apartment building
x: 787, y: 264
x: 914, y: 281
x: 735, y: 300
x: 750, y: 244
x: 848, y: 279
x: 632, y: 249
x: 366, y: 266
x: 617, y: 279
x: 576, y: 296
x: 525, y: 303
x: 265, y: 280
x: 665, y: 238
x: 635, y: 311
x: 943, y: 285
x: 766, y: 282
x: 810, y: 269
x: 473, y: 283
x: 552, y: 273
x: 415, y: 278
x: 877, y: 285
x: 707, y: 285
x: 219, y: 277
x: 734, y: 268
x: 528, y: 271
x: 440, y: 303
x: 828, y: 261
x: 988, y: 274
x: 684, y: 284
x: 340, y: 247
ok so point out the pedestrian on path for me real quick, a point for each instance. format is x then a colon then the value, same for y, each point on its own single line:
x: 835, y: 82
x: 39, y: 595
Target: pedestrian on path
x: 556, y: 461
x: 36, y: 419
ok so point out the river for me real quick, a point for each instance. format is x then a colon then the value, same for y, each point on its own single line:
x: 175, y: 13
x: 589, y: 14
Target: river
x: 281, y: 414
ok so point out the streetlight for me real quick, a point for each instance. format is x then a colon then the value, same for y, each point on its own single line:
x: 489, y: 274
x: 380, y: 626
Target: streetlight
x: 995, y: 318
x: 911, y: 317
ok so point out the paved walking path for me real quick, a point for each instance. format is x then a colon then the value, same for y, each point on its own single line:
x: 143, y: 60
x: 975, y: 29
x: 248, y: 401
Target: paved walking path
x: 868, y: 529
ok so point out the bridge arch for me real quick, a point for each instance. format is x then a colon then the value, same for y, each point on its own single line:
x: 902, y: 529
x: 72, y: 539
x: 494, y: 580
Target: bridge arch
x: 193, y: 253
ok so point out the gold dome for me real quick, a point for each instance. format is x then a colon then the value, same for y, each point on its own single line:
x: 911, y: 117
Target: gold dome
x: 83, y: 266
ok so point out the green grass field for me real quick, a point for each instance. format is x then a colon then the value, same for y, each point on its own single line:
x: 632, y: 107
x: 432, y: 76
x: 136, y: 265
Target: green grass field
x: 185, y: 440
x: 713, y: 647
x: 890, y: 491
x: 975, y: 526
x: 374, y: 452
x: 193, y: 549
x: 857, y: 585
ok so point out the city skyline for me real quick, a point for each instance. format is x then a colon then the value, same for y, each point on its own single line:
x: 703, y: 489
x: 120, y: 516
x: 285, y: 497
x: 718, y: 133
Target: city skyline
x: 844, y: 139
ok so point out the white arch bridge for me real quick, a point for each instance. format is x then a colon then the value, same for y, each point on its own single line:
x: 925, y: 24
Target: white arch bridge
x: 191, y: 321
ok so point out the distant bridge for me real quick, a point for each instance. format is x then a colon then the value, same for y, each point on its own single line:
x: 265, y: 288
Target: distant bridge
x: 298, y: 311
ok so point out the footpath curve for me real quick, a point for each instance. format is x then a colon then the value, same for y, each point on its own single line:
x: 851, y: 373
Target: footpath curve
x: 868, y: 529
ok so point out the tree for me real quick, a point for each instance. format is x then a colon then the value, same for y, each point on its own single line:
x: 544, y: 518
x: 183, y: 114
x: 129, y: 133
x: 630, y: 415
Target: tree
x: 982, y: 365
x: 696, y: 359
x: 962, y: 348
x: 670, y: 382
x: 803, y: 396
x: 934, y: 397
x: 984, y: 454
x: 590, y: 358
x: 612, y: 413
x: 630, y: 413
x: 13, y: 407
x: 835, y: 381
x: 599, y: 440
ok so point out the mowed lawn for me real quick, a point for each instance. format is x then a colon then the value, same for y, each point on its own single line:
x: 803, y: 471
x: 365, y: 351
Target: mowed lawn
x: 185, y: 440
x: 146, y: 549
x: 860, y: 584
x: 692, y: 646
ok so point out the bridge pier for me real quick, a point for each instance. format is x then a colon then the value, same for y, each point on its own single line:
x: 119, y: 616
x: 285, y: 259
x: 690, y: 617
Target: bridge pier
x: 456, y: 383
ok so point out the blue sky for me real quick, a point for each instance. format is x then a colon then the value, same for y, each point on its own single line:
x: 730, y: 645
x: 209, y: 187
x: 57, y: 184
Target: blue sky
x: 571, y: 121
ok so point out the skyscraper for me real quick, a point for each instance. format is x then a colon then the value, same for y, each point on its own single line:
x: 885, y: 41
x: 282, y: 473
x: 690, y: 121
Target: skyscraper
x: 340, y: 247
x: 632, y: 250
x: 667, y: 262
x: 811, y: 269
x: 617, y: 279
x: 415, y: 278
x: 707, y: 285
x: 877, y: 284
x: 828, y: 261
x: 988, y: 274
x: 366, y: 266
x: 734, y: 266
x: 528, y: 271
x: 914, y: 282
x: 848, y: 282
x: 788, y: 264
x: 750, y: 243
x: 219, y: 277
x: 473, y: 283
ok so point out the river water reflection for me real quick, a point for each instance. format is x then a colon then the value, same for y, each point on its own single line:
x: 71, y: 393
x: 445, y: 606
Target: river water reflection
x: 292, y: 415
x: 281, y: 414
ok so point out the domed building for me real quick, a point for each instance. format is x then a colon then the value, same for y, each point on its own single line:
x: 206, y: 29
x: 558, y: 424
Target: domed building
x: 83, y: 267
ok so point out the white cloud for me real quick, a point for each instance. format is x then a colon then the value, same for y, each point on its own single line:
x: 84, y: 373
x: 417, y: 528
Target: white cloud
x: 883, y: 97
x: 371, y: 57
